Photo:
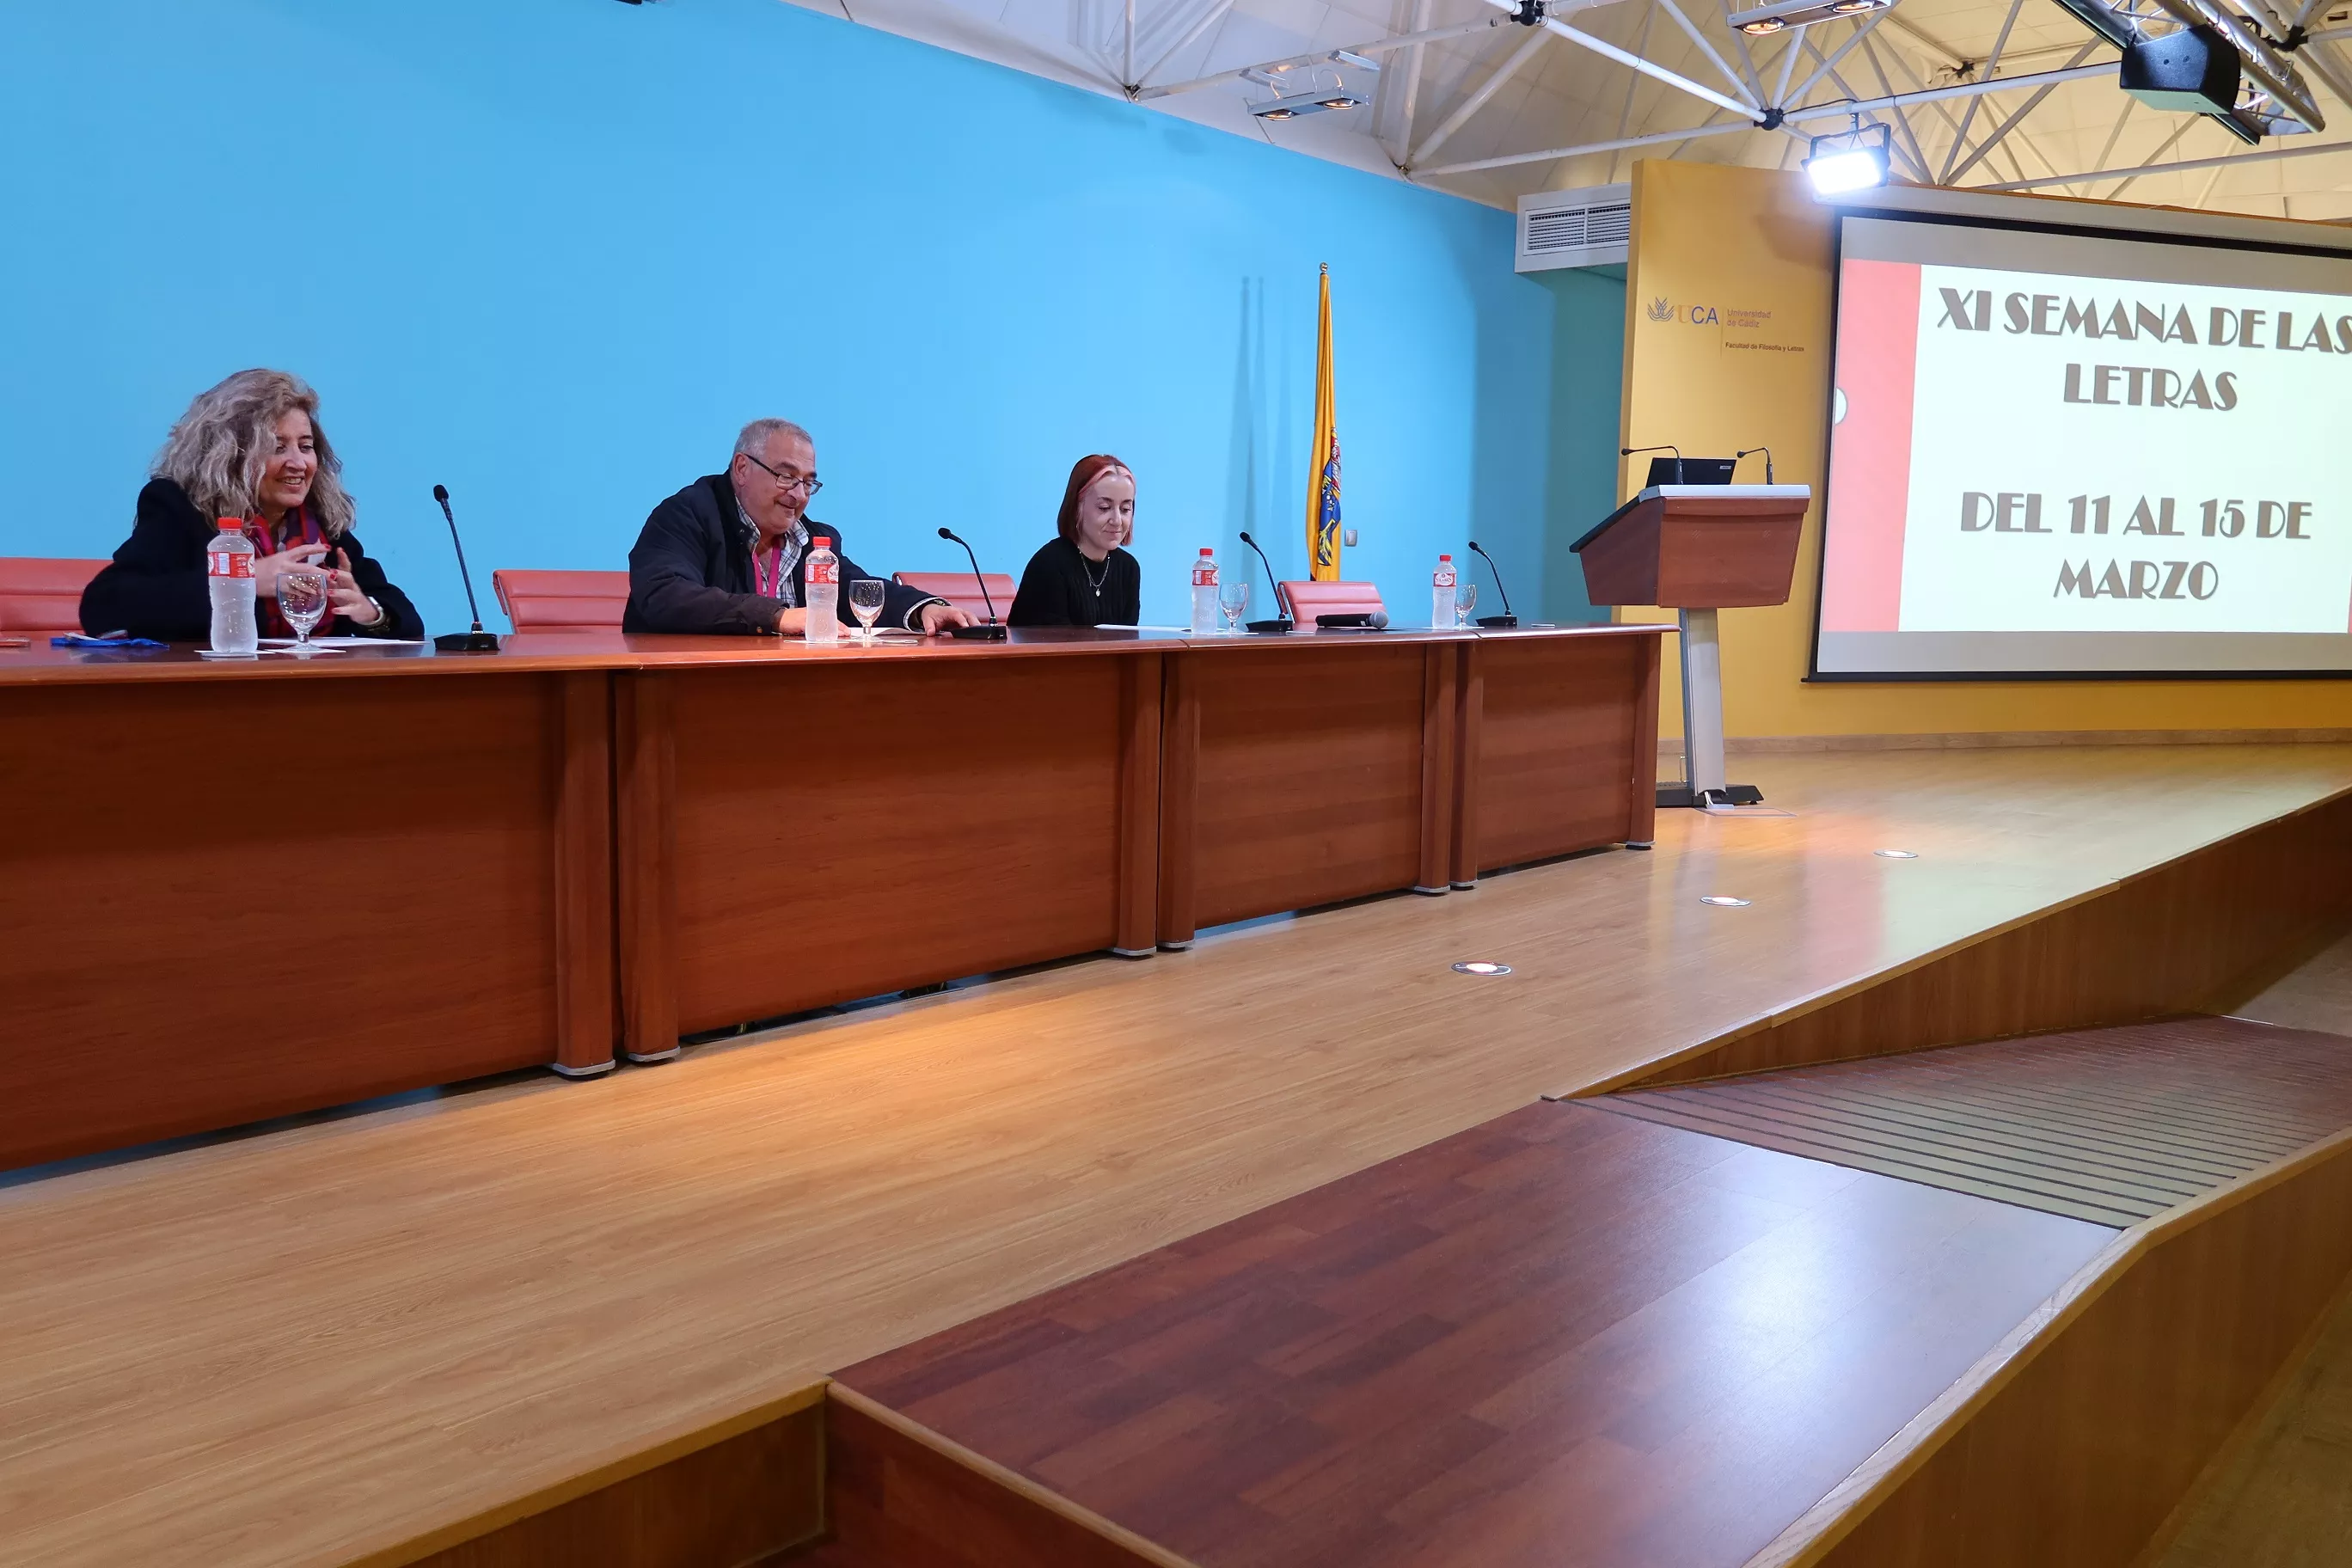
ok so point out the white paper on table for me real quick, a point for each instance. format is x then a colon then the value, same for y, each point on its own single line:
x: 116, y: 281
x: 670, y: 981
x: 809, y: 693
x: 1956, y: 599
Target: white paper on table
x: 345, y: 642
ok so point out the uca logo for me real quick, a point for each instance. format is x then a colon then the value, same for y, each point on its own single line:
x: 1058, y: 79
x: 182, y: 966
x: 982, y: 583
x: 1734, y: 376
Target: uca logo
x: 1660, y: 311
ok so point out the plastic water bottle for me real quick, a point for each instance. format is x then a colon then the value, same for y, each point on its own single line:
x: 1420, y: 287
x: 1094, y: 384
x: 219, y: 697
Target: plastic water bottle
x: 1204, y: 593
x: 1441, y: 594
x: 822, y: 575
x: 228, y: 573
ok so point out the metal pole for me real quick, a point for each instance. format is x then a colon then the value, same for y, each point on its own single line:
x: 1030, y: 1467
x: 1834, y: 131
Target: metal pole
x: 1829, y: 65
x: 1606, y: 51
x: 2298, y: 149
x: 1619, y: 146
x: 1738, y: 84
x: 1478, y: 100
x: 2006, y: 126
x: 1377, y: 46
x: 1991, y: 69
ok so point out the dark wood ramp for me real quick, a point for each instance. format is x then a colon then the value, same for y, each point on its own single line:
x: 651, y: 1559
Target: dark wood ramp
x: 1567, y: 1337
x: 2114, y: 1126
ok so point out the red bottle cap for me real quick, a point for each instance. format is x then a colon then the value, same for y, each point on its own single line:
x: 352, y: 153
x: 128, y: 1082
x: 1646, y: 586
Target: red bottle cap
x: 231, y: 524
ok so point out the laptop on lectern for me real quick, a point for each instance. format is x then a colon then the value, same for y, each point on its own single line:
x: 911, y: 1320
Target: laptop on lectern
x: 1690, y: 472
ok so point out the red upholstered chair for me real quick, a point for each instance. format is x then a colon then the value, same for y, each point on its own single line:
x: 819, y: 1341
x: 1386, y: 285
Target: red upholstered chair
x: 1308, y: 600
x: 962, y: 589
x: 562, y: 600
x: 40, y: 598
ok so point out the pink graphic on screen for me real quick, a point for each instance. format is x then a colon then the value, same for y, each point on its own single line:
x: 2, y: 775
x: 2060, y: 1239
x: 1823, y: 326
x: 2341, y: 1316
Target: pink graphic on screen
x: 1870, y: 448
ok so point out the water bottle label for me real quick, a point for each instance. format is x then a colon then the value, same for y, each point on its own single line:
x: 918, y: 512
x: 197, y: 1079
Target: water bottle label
x: 1205, y: 576
x: 227, y: 563
x: 1443, y: 577
x: 822, y: 572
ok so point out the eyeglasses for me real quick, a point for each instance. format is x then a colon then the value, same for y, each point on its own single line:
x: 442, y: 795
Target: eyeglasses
x: 809, y: 484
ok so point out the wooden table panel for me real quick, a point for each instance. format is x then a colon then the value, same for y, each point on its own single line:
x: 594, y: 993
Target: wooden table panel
x: 237, y: 898
x: 1310, y: 776
x: 960, y: 817
x: 1560, y: 744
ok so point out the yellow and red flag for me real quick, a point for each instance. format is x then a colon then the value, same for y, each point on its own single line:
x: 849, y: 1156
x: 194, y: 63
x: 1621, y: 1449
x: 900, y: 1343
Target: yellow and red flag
x: 1323, y: 485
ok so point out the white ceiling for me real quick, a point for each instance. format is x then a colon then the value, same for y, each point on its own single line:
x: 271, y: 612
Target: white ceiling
x: 1565, y: 95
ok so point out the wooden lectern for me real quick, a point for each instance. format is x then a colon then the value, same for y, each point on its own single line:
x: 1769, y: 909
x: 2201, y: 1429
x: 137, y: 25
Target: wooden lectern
x: 1697, y: 548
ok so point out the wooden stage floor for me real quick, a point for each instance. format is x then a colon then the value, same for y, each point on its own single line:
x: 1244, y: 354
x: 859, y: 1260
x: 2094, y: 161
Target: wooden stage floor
x: 318, y: 1343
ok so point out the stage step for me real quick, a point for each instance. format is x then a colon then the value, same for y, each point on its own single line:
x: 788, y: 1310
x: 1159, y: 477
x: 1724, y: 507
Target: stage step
x: 2114, y: 1126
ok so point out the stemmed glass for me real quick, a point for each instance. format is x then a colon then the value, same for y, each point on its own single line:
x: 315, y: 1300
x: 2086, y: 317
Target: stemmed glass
x: 1465, y: 599
x: 866, y: 603
x: 302, y: 600
x: 1232, y: 598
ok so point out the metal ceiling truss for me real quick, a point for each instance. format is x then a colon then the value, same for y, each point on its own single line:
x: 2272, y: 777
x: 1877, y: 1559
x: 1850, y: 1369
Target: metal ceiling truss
x: 1732, y: 71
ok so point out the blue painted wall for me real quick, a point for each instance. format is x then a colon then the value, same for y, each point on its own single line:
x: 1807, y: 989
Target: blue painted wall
x: 553, y: 252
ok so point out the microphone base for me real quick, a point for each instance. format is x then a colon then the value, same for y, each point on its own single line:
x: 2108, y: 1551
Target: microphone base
x: 475, y: 641
x: 1267, y: 629
x: 1499, y: 622
x: 986, y: 631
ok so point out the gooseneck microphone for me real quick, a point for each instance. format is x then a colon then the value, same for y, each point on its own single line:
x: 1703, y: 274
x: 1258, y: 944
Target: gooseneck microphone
x: 477, y: 640
x: 1282, y: 622
x: 989, y: 630
x: 1507, y: 620
x: 1751, y: 452
x: 1668, y: 447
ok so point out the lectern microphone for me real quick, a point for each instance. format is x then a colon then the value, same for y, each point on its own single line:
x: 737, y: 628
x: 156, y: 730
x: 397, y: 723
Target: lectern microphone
x: 1281, y: 624
x: 1507, y: 620
x: 989, y: 630
x: 1751, y: 452
x: 477, y: 640
x: 1668, y: 447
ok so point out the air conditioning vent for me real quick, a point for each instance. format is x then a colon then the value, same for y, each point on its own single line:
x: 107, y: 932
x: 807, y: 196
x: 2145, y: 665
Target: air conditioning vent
x: 1589, y: 227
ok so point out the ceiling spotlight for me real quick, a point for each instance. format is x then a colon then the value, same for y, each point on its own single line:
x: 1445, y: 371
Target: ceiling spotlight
x: 1725, y: 902
x: 1765, y: 20
x: 1896, y: 854
x: 1311, y: 100
x: 1847, y: 161
x: 1481, y: 966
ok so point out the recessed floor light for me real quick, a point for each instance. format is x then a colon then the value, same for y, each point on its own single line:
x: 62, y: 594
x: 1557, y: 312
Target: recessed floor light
x: 1481, y: 966
x: 1896, y: 854
x: 1722, y: 900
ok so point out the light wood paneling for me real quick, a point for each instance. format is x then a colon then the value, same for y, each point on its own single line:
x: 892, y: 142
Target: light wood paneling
x: 230, y: 901
x: 2071, y: 1444
x: 2168, y: 939
x: 302, y: 1347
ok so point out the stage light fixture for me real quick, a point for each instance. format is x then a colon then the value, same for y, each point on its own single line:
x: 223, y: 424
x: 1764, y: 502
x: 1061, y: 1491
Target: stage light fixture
x: 1481, y: 966
x: 1297, y: 91
x: 1766, y: 20
x: 1852, y: 160
x: 1725, y: 902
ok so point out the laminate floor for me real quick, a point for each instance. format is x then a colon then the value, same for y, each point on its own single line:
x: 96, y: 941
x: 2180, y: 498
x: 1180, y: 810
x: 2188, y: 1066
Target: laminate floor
x: 306, y: 1346
x: 1564, y: 1338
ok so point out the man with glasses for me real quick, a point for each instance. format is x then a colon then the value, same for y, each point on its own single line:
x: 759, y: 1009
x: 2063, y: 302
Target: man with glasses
x: 725, y: 554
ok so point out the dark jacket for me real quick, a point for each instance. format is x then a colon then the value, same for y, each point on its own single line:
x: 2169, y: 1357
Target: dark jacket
x: 154, y: 586
x: 1057, y: 590
x: 691, y: 570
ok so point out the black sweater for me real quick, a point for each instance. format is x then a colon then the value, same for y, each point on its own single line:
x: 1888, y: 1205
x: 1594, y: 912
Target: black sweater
x: 1056, y: 590
x: 691, y: 570
x: 154, y: 586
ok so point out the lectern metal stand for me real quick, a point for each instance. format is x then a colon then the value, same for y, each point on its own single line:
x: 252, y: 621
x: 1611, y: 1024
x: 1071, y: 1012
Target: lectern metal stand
x: 1698, y: 549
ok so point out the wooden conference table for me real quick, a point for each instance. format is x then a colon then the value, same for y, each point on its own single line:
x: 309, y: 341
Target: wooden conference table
x: 235, y: 891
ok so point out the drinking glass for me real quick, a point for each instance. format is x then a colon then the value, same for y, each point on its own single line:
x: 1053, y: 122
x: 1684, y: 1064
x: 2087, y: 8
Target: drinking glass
x: 866, y: 603
x: 1465, y: 599
x: 1232, y: 598
x: 302, y: 600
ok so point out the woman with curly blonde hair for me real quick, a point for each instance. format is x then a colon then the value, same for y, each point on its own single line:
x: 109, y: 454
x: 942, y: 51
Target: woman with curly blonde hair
x: 250, y: 450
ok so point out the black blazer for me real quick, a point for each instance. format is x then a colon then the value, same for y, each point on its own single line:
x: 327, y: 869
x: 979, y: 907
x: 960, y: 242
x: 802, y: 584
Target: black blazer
x: 1056, y: 590
x: 691, y: 570
x: 154, y: 586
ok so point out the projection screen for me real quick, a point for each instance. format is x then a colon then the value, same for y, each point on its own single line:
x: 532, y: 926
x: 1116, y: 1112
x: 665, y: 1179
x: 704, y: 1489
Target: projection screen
x: 2059, y: 453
